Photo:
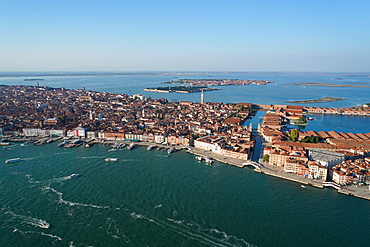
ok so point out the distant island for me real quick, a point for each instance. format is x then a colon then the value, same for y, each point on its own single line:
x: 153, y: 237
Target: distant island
x: 317, y: 84
x: 180, y: 89
x: 320, y: 100
x: 217, y: 82
x: 34, y: 79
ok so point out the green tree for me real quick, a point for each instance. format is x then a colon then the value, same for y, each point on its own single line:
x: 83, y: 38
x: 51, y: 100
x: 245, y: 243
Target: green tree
x: 302, y: 120
x: 294, y: 135
x: 266, y: 158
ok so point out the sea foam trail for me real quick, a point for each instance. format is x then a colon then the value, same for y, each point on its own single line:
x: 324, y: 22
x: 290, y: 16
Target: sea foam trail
x: 114, y: 231
x: 27, y: 219
x: 61, y: 200
x: 49, y: 181
x: 57, y: 238
x: 209, y: 236
x: 194, y: 231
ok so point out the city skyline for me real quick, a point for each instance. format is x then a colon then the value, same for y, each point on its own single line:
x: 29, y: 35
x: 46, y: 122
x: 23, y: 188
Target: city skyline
x: 188, y: 36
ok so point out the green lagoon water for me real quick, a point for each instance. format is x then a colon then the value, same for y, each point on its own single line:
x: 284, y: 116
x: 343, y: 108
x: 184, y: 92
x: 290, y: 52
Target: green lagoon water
x: 149, y: 198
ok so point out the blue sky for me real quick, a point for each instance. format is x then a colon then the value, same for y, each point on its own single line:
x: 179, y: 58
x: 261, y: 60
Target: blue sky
x: 229, y: 35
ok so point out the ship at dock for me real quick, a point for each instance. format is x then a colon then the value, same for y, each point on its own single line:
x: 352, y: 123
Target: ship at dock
x: 131, y: 146
x: 150, y: 147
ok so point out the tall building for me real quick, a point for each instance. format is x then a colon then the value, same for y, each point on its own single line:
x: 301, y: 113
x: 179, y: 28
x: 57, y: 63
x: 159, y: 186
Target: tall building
x: 202, y: 97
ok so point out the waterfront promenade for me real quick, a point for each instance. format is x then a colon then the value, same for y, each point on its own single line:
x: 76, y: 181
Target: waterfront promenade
x: 359, y: 191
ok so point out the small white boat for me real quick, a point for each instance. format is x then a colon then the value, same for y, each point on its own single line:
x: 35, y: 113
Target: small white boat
x: 13, y: 160
x: 112, y: 150
x: 111, y: 159
x: 198, y: 158
x: 74, y: 175
x: 303, y: 186
x: 44, y: 224
x: 150, y: 147
x: 171, y: 150
x: 131, y: 146
x: 208, y: 160
x: 62, y: 144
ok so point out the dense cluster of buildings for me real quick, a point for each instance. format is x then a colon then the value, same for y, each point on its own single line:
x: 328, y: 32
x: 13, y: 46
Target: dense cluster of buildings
x: 317, y: 155
x: 43, y: 111
x: 221, y: 82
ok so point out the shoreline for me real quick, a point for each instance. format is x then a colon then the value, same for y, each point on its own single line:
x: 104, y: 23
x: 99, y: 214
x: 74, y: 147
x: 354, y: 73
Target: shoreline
x: 362, y: 192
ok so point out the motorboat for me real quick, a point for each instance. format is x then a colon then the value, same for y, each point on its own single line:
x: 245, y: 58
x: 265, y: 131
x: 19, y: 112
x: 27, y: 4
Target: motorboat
x: 44, y: 224
x: 111, y: 159
x: 74, y: 175
x: 150, y: 147
x: 131, y: 146
x: 198, y: 158
x: 13, y: 160
x: 208, y: 160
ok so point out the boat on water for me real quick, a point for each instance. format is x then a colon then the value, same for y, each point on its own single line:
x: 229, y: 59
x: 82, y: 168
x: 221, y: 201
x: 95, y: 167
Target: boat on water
x: 44, y: 224
x: 303, y: 186
x: 310, y: 118
x: 131, y: 146
x: 4, y: 143
x: 74, y: 175
x: 62, y: 144
x: 198, y: 158
x: 171, y: 150
x: 13, y: 160
x: 111, y: 159
x: 150, y: 147
x: 112, y: 150
x: 89, y: 145
x: 208, y: 160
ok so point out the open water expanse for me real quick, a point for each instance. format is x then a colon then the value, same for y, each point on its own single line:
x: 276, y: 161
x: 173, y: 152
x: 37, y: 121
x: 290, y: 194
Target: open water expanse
x: 149, y: 198
x: 275, y: 93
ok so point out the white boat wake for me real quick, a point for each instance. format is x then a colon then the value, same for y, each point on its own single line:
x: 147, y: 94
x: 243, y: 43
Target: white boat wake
x: 69, y: 203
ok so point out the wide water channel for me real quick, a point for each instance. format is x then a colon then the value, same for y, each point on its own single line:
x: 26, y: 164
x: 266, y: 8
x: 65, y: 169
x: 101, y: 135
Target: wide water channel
x: 149, y: 198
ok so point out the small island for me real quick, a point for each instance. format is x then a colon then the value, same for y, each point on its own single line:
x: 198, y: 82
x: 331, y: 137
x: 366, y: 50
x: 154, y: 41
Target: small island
x: 180, y: 89
x: 319, y: 100
x: 319, y: 84
x: 217, y: 82
x: 34, y: 79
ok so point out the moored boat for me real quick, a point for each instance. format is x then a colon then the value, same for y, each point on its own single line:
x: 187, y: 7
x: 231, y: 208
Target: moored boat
x: 198, y: 158
x: 208, y: 160
x: 171, y: 150
x: 89, y: 144
x: 131, y: 146
x: 62, y: 144
x: 150, y: 147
